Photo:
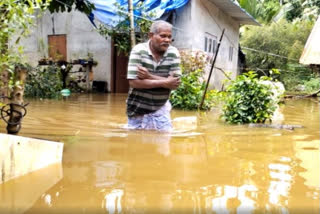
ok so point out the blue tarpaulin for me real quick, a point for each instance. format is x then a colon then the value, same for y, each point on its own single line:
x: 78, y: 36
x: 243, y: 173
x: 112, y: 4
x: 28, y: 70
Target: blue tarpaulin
x: 107, y: 12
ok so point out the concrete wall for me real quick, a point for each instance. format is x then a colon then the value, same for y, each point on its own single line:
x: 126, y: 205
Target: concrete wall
x: 82, y: 38
x: 22, y: 155
x: 193, y: 21
x: 200, y: 17
x: 183, y: 38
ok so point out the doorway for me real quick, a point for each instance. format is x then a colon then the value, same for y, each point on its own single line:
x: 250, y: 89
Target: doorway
x: 119, y: 81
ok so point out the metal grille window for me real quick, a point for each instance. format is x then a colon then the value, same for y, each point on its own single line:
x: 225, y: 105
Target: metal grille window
x: 210, y: 43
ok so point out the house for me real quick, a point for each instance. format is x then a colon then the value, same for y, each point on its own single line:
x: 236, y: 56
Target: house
x: 197, y: 26
x: 311, y: 53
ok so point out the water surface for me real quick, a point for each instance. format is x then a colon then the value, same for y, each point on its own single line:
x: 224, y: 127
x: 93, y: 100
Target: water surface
x: 204, y: 166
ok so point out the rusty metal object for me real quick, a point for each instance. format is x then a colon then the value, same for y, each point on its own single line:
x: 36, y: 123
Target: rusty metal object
x: 17, y: 107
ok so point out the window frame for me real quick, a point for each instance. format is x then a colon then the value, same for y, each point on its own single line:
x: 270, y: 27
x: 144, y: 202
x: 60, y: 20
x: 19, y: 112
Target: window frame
x: 210, y: 43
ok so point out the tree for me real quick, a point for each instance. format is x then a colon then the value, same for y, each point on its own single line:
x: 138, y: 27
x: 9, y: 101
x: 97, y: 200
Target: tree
x: 16, y: 18
x: 120, y: 34
x: 262, y: 10
x: 266, y: 10
x: 278, y: 45
x: 67, y: 5
x: 282, y: 38
x: 301, y: 8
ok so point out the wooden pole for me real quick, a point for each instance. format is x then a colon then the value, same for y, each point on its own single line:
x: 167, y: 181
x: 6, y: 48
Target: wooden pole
x: 132, y: 33
x: 212, y: 66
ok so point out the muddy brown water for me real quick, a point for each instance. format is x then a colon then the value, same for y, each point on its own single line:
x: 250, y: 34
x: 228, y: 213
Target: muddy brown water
x: 204, y: 166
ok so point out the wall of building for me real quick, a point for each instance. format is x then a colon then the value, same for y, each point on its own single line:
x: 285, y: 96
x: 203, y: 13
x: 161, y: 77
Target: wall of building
x: 182, y: 28
x: 82, y: 39
x: 201, y: 17
x: 192, y: 23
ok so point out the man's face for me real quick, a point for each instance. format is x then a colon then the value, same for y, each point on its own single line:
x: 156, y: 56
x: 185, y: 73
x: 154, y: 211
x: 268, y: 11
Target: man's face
x: 161, y: 40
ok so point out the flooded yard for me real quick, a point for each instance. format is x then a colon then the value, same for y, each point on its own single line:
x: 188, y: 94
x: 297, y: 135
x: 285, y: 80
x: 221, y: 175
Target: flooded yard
x: 204, y: 166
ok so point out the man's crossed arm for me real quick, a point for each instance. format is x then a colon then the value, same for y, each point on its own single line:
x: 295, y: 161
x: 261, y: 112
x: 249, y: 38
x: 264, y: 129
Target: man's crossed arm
x: 148, y: 80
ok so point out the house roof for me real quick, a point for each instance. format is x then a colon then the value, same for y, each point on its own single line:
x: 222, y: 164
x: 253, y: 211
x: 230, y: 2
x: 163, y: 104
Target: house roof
x: 235, y: 11
x: 311, y: 52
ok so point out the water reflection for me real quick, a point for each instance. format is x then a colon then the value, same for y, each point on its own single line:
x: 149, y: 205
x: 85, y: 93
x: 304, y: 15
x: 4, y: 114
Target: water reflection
x: 206, y: 166
x: 19, y: 195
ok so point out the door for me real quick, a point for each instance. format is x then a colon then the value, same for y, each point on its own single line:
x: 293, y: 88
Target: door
x: 58, y: 47
x: 120, y: 67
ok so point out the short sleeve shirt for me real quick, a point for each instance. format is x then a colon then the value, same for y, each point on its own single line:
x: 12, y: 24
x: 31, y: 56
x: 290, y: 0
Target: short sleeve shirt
x: 144, y: 101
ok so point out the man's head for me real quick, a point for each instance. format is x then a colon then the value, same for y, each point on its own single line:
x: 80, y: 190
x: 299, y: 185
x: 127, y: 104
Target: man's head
x: 160, y: 36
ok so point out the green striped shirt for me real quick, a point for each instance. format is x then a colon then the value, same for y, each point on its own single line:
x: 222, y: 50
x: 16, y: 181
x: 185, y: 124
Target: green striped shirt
x: 144, y: 101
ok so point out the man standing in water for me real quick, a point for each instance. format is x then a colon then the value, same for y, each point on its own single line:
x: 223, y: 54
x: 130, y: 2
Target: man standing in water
x: 151, y: 73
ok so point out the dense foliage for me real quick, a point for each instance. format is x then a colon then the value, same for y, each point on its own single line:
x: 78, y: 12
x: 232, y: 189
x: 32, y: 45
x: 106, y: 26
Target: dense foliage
x: 263, y: 11
x: 189, y: 94
x: 248, y: 101
x: 267, y: 10
x: 285, y: 40
x: 67, y: 5
x: 16, y: 19
x: 44, y: 82
x: 302, y: 9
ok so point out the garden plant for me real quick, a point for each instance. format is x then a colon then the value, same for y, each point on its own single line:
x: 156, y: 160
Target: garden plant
x: 248, y: 100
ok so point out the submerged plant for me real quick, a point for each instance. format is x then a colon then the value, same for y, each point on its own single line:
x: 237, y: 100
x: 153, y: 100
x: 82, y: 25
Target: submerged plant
x: 44, y: 83
x: 248, y: 100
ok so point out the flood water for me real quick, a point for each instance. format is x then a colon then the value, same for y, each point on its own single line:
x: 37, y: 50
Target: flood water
x: 204, y: 166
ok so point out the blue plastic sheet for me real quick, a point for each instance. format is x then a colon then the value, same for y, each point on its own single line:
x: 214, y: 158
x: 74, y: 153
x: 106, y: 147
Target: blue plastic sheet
x: 107, y: 13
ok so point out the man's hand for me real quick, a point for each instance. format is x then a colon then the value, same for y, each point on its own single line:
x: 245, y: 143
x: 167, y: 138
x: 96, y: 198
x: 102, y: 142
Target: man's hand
x: 172, y: 82
x: 143, y: 73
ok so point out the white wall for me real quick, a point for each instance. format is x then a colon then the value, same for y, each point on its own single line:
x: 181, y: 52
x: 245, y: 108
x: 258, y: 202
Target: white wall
x: 193, y: 21
x: 200, y: 17
x: 82, y: 38
x: 182, y: 28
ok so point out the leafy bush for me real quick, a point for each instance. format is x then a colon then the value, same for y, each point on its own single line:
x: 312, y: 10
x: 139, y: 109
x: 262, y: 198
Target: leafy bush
x: 312, y: 85
x: 44, y: 83
x: 295, y: 76
x: 248, y: 101
x: 189, y: 94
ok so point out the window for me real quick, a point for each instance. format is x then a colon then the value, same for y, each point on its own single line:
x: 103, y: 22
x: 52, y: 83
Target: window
x: 58, y: 47
x: 230, y: 53
x: 210, y: 43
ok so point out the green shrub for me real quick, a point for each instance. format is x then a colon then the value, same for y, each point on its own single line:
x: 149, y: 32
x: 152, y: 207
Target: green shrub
x: 312, y: 85
x: 44, y: 83
x: 248, y: 101
x: 296, y: 77
x: 189, y: 94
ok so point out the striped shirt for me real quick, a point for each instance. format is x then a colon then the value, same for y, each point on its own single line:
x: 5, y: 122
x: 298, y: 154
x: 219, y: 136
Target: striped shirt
x: 144, y: 101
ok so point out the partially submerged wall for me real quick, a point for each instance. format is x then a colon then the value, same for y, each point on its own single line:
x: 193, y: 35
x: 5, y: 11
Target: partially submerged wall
x: 21, y: 155
x: 200, y: 19
x: 82, y: 39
